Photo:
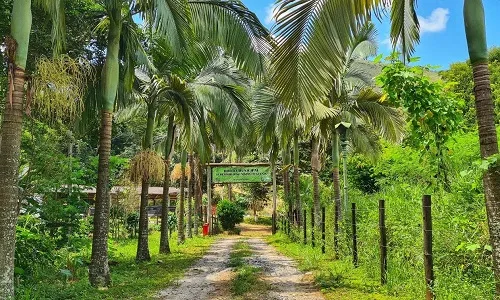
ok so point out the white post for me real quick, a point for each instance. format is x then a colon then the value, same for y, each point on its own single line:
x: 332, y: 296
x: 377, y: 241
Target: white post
x: 209, y: 195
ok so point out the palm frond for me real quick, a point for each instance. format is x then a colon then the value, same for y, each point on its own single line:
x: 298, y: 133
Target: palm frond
x: 55, y: 9
x: 312, y: 37
x: 230, y: 24
x: 404, y: 26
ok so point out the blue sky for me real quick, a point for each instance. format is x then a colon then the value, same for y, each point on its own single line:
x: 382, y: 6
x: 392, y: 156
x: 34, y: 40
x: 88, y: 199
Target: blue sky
x: 442, y: 39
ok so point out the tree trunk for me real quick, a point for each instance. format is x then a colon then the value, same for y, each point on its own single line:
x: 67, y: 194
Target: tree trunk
x: 336, y: 188
x: 165, y: 206
x: 489, y: 146
x: 165, y: 203
x: 198, y: 194
x: 10, y: 148
x: 10, y: 151
x: 180, y: 218
x: 296, y: 178
x: 488, y: 140
x: 142, y: 244
x: 286, y: 183
x: 190, y: 197
x: 99, y: 269
x: 316, y: 165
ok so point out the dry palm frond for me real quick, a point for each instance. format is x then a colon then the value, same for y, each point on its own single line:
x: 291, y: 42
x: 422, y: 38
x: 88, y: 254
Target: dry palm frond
x: 177, y: 172
x: 59, y: 86
x: 147, y: 165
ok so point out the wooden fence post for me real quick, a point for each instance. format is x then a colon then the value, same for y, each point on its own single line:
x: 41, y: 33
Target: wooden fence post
x: 354, y: 237
x: 323, y: 237
x: 305, y: 227
x: 428, y: 265
x: 383, y: 242
x: 312, y: 228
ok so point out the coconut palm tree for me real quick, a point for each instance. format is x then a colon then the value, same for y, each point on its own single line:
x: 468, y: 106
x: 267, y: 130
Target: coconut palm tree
x: 17, y: 45
x: 229, y: 24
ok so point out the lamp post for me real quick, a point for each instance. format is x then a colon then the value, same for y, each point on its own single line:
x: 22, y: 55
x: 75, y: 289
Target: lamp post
x: 342, y: 131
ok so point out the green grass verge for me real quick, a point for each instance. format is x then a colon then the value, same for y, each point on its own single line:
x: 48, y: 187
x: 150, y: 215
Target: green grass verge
x: 338, y: 279
x: 130, y: 280
x: 247, y: 283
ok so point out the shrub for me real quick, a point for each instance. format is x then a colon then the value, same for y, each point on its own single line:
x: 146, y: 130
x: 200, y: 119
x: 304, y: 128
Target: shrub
x: 229, y: 214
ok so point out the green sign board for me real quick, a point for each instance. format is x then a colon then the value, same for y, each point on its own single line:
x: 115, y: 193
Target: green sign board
x: 241, y: 174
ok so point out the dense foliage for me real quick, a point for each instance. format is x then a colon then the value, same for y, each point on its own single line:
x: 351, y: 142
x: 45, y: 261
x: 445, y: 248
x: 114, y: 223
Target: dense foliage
x: 229, y: 214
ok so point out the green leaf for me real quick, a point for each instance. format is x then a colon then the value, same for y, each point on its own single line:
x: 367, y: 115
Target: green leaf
x: 378, y: 58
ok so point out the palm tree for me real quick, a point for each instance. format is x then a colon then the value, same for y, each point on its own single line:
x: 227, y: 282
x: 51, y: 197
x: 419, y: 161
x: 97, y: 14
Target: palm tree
x: 227, y: 23
x: 10, y: 149
x: 488, y: 140
x: 165, y: 204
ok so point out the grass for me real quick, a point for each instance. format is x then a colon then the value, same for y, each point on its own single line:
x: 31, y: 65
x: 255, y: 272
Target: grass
x: 130, y: 280
x: 338, y: 279
x: 247, y: 283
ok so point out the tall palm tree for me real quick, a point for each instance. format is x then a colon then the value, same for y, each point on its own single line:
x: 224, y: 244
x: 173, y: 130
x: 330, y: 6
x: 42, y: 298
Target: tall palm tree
x: 17, y: 45
x: 488, y: 140
x: 228, y: 23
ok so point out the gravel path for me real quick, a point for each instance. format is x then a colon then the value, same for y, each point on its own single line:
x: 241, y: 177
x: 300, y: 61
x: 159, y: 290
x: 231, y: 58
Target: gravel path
x: 286, y: 281
x: 210, y: 277
x: 202, y: 280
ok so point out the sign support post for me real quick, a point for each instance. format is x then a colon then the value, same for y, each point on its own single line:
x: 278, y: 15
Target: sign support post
x: 209, y: 195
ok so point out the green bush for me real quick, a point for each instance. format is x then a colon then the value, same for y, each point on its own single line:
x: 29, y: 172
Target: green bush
x: 33, y: 247
x: 229, y: 214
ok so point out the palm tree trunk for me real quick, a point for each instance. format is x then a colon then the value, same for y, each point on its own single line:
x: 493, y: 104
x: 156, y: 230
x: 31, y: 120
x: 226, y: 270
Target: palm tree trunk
x: 336, y: 189
x: 165, y: 206
x: 286, y: 183
x: 99, y: 269
x: 10, y: 148
x: 316, y: 164
x: 142, y: 244
x: 197, y: 194
x: 296, y: 178
x: 165, y: 203
x: 488, y: 140
x: 180, y: 218
x: 190, y: 197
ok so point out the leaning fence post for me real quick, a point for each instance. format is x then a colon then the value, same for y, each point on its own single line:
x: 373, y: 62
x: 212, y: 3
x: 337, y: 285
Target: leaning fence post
x: 429, y: 272
x: 305, y: 227
x: 383, y: 242
x: 323, y: 237
x: 354, y: 237
x: 312, y: 228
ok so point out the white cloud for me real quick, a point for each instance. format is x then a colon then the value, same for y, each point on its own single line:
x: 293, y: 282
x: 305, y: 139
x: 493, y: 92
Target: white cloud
x: 436, y: 22
x: 270, y: 14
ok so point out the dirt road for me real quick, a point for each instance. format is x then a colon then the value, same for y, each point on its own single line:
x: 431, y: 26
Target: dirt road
x: 210, y: 278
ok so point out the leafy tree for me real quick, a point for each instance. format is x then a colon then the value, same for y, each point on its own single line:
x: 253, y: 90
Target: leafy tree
x: 432, y: 110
